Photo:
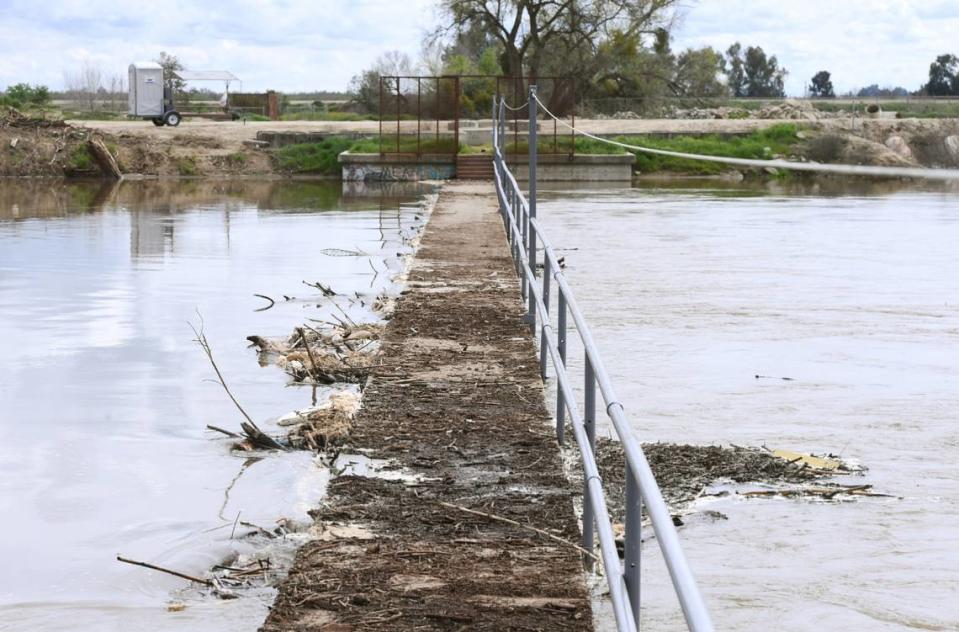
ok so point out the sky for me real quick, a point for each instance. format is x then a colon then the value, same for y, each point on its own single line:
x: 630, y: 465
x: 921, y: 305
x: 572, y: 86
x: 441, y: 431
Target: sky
x: 294, y: 45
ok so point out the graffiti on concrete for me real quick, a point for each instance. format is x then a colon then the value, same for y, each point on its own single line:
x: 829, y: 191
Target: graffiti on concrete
x: 372, y: 172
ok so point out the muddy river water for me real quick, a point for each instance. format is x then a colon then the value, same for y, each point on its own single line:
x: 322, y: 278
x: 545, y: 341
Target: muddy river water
x: 853, y: 293
x: 104, y: 397
x: 692, y: 291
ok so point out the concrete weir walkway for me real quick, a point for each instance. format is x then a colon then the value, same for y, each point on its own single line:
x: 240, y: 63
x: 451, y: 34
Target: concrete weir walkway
x: 456, y: 408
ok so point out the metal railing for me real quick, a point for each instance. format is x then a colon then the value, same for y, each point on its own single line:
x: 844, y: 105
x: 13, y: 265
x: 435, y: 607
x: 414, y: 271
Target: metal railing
x: 624, y: 578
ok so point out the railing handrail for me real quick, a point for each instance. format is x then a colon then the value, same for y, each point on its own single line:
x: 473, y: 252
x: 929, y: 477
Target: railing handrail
x: 642, y: 487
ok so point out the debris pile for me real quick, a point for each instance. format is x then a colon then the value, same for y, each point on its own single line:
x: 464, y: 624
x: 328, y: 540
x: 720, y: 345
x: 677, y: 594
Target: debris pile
x: 685, y: 472
x: 317, y: 427
x: 343, y: 353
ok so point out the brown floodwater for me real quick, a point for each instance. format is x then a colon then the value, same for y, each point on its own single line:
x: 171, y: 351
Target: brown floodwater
x: 104, y: 398
x: 693, y: 289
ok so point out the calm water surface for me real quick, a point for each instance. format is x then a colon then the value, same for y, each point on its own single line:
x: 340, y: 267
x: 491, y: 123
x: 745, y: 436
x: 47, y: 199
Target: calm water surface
x: 104, y: 398
x: 692, y: 291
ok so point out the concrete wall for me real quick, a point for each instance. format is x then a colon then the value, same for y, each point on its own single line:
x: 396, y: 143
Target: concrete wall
x: 396, y: 168
x: 560, y: 168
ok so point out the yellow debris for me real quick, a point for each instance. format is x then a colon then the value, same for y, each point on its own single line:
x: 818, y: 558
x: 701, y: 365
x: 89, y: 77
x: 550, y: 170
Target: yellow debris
x: 815, y: 462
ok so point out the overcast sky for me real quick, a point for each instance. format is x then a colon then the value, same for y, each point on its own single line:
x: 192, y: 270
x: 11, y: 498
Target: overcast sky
x: 319, y: 44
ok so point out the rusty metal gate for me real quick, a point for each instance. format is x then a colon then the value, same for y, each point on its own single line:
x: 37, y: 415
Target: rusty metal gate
x: 433, y: 115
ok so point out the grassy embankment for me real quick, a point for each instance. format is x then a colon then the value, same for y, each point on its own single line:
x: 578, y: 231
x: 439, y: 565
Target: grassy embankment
x: 778, y: 140
x: 321, y: 158
x: 775, y: 141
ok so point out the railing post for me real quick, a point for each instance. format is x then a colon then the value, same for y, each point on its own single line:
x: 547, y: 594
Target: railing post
x: 561, y: 339
x: 531, y: 105
x: 632, y: 541
x: 542, y: 336
x: 524, y: 231
x: 589, y: 421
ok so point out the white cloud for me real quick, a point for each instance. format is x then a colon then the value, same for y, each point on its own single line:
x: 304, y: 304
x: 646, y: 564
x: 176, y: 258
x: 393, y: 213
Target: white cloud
x: 277, y: 44
x: 300, y: 45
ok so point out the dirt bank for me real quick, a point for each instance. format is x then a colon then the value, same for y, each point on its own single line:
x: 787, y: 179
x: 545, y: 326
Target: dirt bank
x: 37, y: 148
x: 455, y: 416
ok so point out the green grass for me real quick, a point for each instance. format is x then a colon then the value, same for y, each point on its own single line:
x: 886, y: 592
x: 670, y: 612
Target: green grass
x: 915, y: 108
x: 328, y: 116
x: 761, y: 145
x: 80, y: 159
x: 316, y: 158
x: 408, y: 145
x: 186, y: 166
x: 236, y: 159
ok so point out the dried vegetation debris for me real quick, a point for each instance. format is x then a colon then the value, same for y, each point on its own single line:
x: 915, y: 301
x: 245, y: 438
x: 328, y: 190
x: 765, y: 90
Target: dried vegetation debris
x: 686, y: 472
x: 320, y: 426
x: 455, y: 406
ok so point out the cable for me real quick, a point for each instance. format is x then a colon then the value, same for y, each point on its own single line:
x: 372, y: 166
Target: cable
x: 860, y: 170
x: 516, y: 109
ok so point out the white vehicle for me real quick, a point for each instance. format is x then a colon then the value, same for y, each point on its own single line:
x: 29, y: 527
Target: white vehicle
x: 150, y: 97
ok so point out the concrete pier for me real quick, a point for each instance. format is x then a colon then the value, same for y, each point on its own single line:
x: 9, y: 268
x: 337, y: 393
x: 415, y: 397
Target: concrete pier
x: 464, y: 519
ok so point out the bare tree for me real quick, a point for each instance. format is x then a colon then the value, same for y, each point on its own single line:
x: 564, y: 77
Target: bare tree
x: 91, y: 78
x: 83, y: 84
x: 117, y: 88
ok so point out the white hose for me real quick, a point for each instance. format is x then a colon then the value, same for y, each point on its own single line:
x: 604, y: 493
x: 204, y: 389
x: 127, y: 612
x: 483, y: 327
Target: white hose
x: 850, y: 170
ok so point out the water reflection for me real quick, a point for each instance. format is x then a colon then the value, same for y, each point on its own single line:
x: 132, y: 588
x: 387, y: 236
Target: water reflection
x: 104, y: 399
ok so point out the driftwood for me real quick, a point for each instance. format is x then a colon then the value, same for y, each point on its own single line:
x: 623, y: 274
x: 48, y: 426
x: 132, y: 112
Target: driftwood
x: 205, y: 582
x: 827, y: 492
x: 108, y: 164
x: 264, y: 296
x: 260, y: 438
x: 256, y: 436
x: 221, y: 430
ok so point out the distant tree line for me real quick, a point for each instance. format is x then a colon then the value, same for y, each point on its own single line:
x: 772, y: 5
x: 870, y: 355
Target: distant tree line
x: 613, y: 49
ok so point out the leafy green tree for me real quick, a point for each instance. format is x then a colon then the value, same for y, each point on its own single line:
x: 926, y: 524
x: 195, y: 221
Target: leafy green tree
x: 734, y: 67
x: 24, y: 94
x: 943, y: 77
x: 753, y: 74
x: 875, y: 91
x: 171, y: 65
x: 699, y: 73
x: 821, y: 85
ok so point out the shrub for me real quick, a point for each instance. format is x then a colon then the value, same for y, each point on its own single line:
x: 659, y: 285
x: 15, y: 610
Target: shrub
x: 186, y: 166
x: 319, y: 158
x: 236, y: 159
x: 80, y: 159
x: 826, y: 148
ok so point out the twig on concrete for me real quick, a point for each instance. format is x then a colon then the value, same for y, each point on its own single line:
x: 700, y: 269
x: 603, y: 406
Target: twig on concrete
x: 520, y: 525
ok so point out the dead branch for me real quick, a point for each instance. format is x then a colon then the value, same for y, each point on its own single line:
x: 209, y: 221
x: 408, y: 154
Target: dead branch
x: 257, y: 436
x: 263, y: 296
x: 205, y: 345
x: 221, y: 430
x: 154, y: 567
x: 520, y: 525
